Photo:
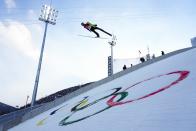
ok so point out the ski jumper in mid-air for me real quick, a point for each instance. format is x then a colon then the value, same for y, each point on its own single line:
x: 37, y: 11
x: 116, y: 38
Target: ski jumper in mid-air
x: 92, y: 27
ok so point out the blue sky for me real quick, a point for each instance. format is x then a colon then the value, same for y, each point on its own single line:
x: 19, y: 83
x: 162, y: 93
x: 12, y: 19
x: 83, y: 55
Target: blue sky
x: 71, y: 60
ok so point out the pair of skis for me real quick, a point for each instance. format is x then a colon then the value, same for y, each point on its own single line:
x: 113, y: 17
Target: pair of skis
x: 93, y: 37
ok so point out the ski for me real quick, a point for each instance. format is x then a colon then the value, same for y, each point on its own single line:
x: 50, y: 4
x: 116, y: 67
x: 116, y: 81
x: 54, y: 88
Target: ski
x: 93, y: 37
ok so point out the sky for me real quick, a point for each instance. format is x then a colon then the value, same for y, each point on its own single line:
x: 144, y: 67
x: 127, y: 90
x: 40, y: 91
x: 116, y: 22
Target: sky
x: 70, y: 59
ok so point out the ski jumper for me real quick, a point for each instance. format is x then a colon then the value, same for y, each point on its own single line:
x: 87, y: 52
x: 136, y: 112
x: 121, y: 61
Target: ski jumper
x: 92, y: 27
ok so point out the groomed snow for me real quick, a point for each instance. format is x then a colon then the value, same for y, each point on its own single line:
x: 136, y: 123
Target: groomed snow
x: 158, y: 97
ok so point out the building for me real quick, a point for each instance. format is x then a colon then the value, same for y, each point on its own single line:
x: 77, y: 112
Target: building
x: 193, y: 41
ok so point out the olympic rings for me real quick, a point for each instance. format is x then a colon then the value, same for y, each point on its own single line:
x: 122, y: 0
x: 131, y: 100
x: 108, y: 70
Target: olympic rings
x: 113, y: 101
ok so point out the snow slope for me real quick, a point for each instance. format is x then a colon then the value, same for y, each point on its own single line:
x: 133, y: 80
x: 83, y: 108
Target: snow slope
x: 158, y: 97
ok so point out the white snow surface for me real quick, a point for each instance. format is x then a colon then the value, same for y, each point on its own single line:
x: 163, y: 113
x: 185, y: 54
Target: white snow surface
x: 157, y: 97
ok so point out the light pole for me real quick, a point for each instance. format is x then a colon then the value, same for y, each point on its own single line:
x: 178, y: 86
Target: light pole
x: 112, y: 44
x: 48, y: 15
x: 26, y: 101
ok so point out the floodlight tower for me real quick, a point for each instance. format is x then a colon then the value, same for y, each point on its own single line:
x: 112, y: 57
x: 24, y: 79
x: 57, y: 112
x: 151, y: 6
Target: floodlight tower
x: 48, y: 15
x: 112, y: 44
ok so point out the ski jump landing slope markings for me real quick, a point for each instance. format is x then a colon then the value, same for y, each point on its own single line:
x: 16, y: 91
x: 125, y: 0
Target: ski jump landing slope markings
x: 158, y: 97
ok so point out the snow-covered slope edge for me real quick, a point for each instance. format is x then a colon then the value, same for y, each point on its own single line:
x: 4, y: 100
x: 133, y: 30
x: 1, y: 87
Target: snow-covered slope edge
x: 160, y: 96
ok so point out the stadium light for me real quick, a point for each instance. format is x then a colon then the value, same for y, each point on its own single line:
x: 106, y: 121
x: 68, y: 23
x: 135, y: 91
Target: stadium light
x: 48, y: 15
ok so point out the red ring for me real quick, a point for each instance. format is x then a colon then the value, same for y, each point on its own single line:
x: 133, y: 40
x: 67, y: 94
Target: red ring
x: 183, y: 75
